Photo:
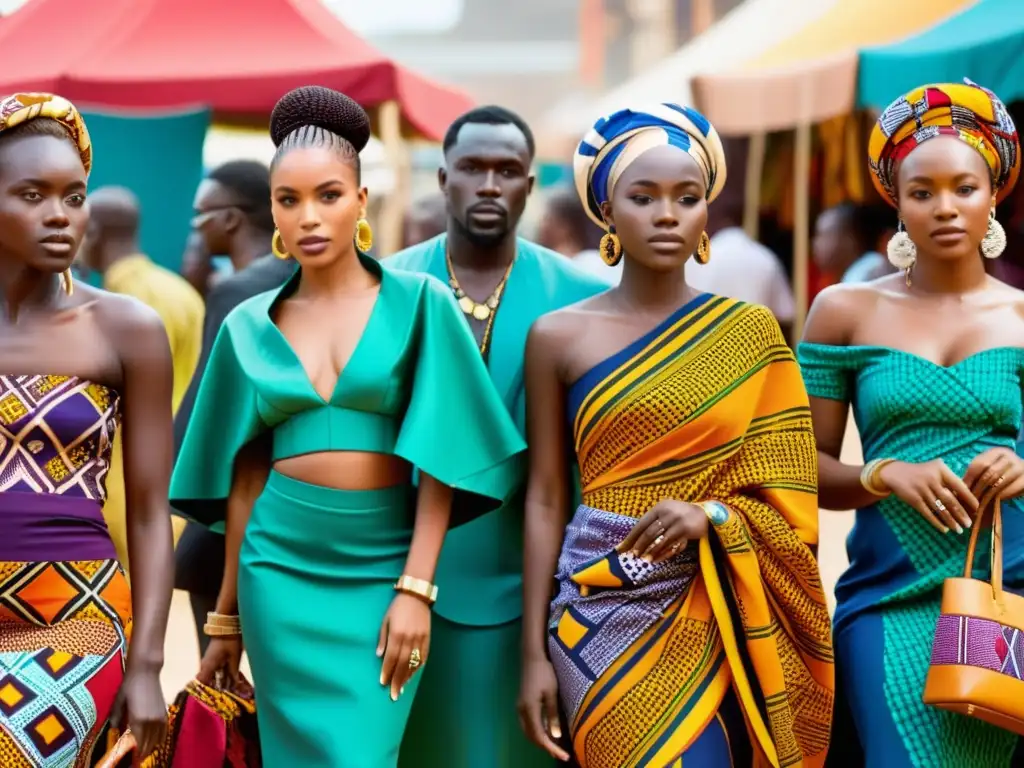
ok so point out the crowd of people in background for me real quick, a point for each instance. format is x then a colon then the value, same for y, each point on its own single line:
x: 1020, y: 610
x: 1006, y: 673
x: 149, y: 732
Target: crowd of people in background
x: 493, y: 501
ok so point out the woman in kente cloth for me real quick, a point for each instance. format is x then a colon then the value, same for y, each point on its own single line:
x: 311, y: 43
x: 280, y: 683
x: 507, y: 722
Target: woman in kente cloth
x: 76, y: 363
x: 343, y: 424
x: 932, y: 361
x: 690, y: 626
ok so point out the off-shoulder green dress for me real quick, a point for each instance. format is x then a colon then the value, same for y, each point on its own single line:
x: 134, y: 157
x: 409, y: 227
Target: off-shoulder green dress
x: 317, y: 565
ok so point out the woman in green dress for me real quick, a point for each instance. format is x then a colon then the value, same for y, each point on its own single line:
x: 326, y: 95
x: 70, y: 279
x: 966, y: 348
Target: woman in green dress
x: 932, y: 361
x: 343, y: 424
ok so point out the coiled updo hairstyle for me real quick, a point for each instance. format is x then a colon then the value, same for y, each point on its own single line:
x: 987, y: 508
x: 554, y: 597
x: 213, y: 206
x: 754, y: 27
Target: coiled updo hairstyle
x: 314, y: 116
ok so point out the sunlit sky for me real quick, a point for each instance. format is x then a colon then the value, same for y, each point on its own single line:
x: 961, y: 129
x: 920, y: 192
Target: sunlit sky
x: 382, y: 17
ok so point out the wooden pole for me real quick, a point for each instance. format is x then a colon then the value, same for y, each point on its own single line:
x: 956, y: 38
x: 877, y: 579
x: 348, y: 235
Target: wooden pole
x: 702, y: 16
x: 752, y: 184
x: 801, y: 224
x: 389, y: 238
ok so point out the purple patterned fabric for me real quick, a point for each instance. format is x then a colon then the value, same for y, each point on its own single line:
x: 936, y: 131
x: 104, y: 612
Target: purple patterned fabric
x: 981, y: 643
x: 41, y: 526
x: 605, y: 620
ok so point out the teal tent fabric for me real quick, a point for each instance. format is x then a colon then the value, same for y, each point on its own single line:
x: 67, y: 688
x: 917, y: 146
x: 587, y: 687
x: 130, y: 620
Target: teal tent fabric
x: 984, y: 42
x: 159, y: 158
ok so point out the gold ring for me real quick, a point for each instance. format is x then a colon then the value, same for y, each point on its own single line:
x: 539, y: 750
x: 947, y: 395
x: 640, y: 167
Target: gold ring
x: 415, y: 659
x: 998, y: 481
x: 675, y: 547
x: 658, y: 540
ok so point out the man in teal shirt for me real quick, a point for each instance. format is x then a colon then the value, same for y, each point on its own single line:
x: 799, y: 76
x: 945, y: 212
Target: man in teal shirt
x: 464, y: 715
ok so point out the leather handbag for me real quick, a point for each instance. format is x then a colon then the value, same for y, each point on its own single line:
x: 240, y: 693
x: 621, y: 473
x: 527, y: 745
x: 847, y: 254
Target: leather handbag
x: 977, y: 665
x: 120, y: 754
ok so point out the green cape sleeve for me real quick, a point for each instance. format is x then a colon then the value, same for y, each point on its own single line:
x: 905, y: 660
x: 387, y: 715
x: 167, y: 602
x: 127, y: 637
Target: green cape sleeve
x: 225, y: 417
x: 456, y: 428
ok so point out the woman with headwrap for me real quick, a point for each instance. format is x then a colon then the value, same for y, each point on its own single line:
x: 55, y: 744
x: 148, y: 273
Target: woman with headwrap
x: 690, y: 623
x: 933, y: 362
x: 76, y: 365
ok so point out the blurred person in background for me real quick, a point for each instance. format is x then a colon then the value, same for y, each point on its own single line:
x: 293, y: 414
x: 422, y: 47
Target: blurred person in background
x: 848, y: 240
x: 197, y: 264
x: 932, y: 361
x: 740, y: 267
x: 111, y: 249
x: 426, y: 218
x: 566, y: 228
x: 688, y: 592
x: 77, y: 366
x: 233, y: 218
x: 343, y: 424
x: 465, y: 713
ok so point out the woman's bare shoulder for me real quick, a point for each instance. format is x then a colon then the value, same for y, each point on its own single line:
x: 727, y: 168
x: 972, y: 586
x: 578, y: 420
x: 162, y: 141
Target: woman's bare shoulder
x: 838, y: 309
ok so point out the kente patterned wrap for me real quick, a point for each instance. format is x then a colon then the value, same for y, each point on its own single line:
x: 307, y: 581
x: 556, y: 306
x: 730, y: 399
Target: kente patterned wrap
x: 65, y: 606
x: 911, y: 409
x: 707, y: 406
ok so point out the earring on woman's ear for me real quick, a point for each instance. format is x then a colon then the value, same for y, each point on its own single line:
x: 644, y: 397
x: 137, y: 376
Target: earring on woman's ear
x: 364, y: 235
x: 703, y: 254
x: 278, y: 247
x: 610, y: 248
x: 67, y: 280
x: 994, y: 242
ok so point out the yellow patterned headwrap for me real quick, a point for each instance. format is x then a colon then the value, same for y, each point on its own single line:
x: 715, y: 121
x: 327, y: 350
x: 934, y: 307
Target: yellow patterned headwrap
x: 616, y: 141
x: 19, y: 108
x: 966, y: 111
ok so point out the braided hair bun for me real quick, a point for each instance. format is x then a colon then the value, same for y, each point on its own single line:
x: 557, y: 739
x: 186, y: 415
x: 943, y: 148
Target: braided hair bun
x: 314, y: 105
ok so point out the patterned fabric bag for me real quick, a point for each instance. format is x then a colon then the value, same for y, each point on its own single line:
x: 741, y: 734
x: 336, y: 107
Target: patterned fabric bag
x: 207, y: 728
x: 977, y: 666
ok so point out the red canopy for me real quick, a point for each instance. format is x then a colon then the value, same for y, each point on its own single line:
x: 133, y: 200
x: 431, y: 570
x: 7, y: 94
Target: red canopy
x: 236, y: 57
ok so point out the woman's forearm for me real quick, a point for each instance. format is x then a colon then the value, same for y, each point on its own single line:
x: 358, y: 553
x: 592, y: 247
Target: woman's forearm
x: 545, y: 529
x: 839, y: 485
x: 151, y: 553
x: 433, y: 513
x: 252, y: 466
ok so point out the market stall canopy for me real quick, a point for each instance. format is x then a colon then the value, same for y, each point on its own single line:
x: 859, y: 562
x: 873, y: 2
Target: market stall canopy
x: 812, y: 75
x: 236, y: 58
x: 985, y: 43
x: 752, y: 27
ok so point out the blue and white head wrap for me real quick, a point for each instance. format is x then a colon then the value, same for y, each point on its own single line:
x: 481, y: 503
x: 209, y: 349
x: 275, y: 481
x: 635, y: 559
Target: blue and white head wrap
x: 616, y: 141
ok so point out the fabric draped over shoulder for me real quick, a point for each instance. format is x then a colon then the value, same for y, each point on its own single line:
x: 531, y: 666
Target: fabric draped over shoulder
x: 965, y: 111
x: 20, y: 108
x: 616, y: 141
x: 709, y: 406
x: 421, y: 372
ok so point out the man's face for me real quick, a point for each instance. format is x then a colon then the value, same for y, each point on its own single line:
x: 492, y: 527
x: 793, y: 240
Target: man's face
x: 487, y: 180
x: 216, y: 214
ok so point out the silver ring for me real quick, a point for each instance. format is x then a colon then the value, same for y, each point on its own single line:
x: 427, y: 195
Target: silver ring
x: 939, y: 505
x: 658, y: 540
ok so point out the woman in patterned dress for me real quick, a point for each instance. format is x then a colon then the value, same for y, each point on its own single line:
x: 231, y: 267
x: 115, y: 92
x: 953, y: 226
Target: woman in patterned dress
x: 75, y: 363
x: 932, y: 361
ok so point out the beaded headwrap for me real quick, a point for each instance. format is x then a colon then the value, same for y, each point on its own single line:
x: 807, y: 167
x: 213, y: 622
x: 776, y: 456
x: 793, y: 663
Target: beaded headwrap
x: 616, y: 141
x: 966, y: 111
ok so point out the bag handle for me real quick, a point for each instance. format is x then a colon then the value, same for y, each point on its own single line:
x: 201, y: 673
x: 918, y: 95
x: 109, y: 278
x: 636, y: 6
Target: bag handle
x: 989, y: 502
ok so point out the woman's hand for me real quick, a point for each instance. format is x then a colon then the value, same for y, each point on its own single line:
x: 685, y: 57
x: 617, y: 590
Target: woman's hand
x: 142, y: 696
x: 219, y: 668
x: 538, y: 706
x: 664, y: 531
x: 998, y: 468
x: 942, y: 498
x: 404, y: 635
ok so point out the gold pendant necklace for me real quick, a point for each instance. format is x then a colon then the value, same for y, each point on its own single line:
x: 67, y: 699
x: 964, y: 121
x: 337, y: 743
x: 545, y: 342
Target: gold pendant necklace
x: 481, y: 311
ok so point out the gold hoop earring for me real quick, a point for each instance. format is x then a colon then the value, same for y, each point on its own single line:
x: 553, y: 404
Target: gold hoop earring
x: 68, y: 281
x: 278, y: 247
x: 703, y: 254
x: 364, y: 235
x: 611, y: 248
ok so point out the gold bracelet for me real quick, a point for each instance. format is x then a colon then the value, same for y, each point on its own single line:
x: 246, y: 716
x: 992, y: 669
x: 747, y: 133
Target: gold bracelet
x: 223, y: 620
x: 213, y: 630
x: 420, y: 588
x: 869, y: 477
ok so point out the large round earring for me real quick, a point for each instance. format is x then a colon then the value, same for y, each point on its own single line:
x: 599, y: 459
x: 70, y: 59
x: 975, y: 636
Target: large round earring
x: 277, y: 246
x: 901, y: 250
x: 67, y: 280
x: 703, y: 254
x: 611, y: 248
x: 364, y: 235
x: 994, y: 242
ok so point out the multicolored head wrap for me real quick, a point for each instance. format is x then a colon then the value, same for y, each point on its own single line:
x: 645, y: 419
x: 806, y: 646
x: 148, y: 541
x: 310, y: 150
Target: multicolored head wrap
x: 967, y: 111
x: 19, y: 108
x: 616, y: 141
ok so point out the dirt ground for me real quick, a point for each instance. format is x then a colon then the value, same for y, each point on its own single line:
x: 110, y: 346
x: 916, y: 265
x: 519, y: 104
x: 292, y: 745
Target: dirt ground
x: 182, y: 651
